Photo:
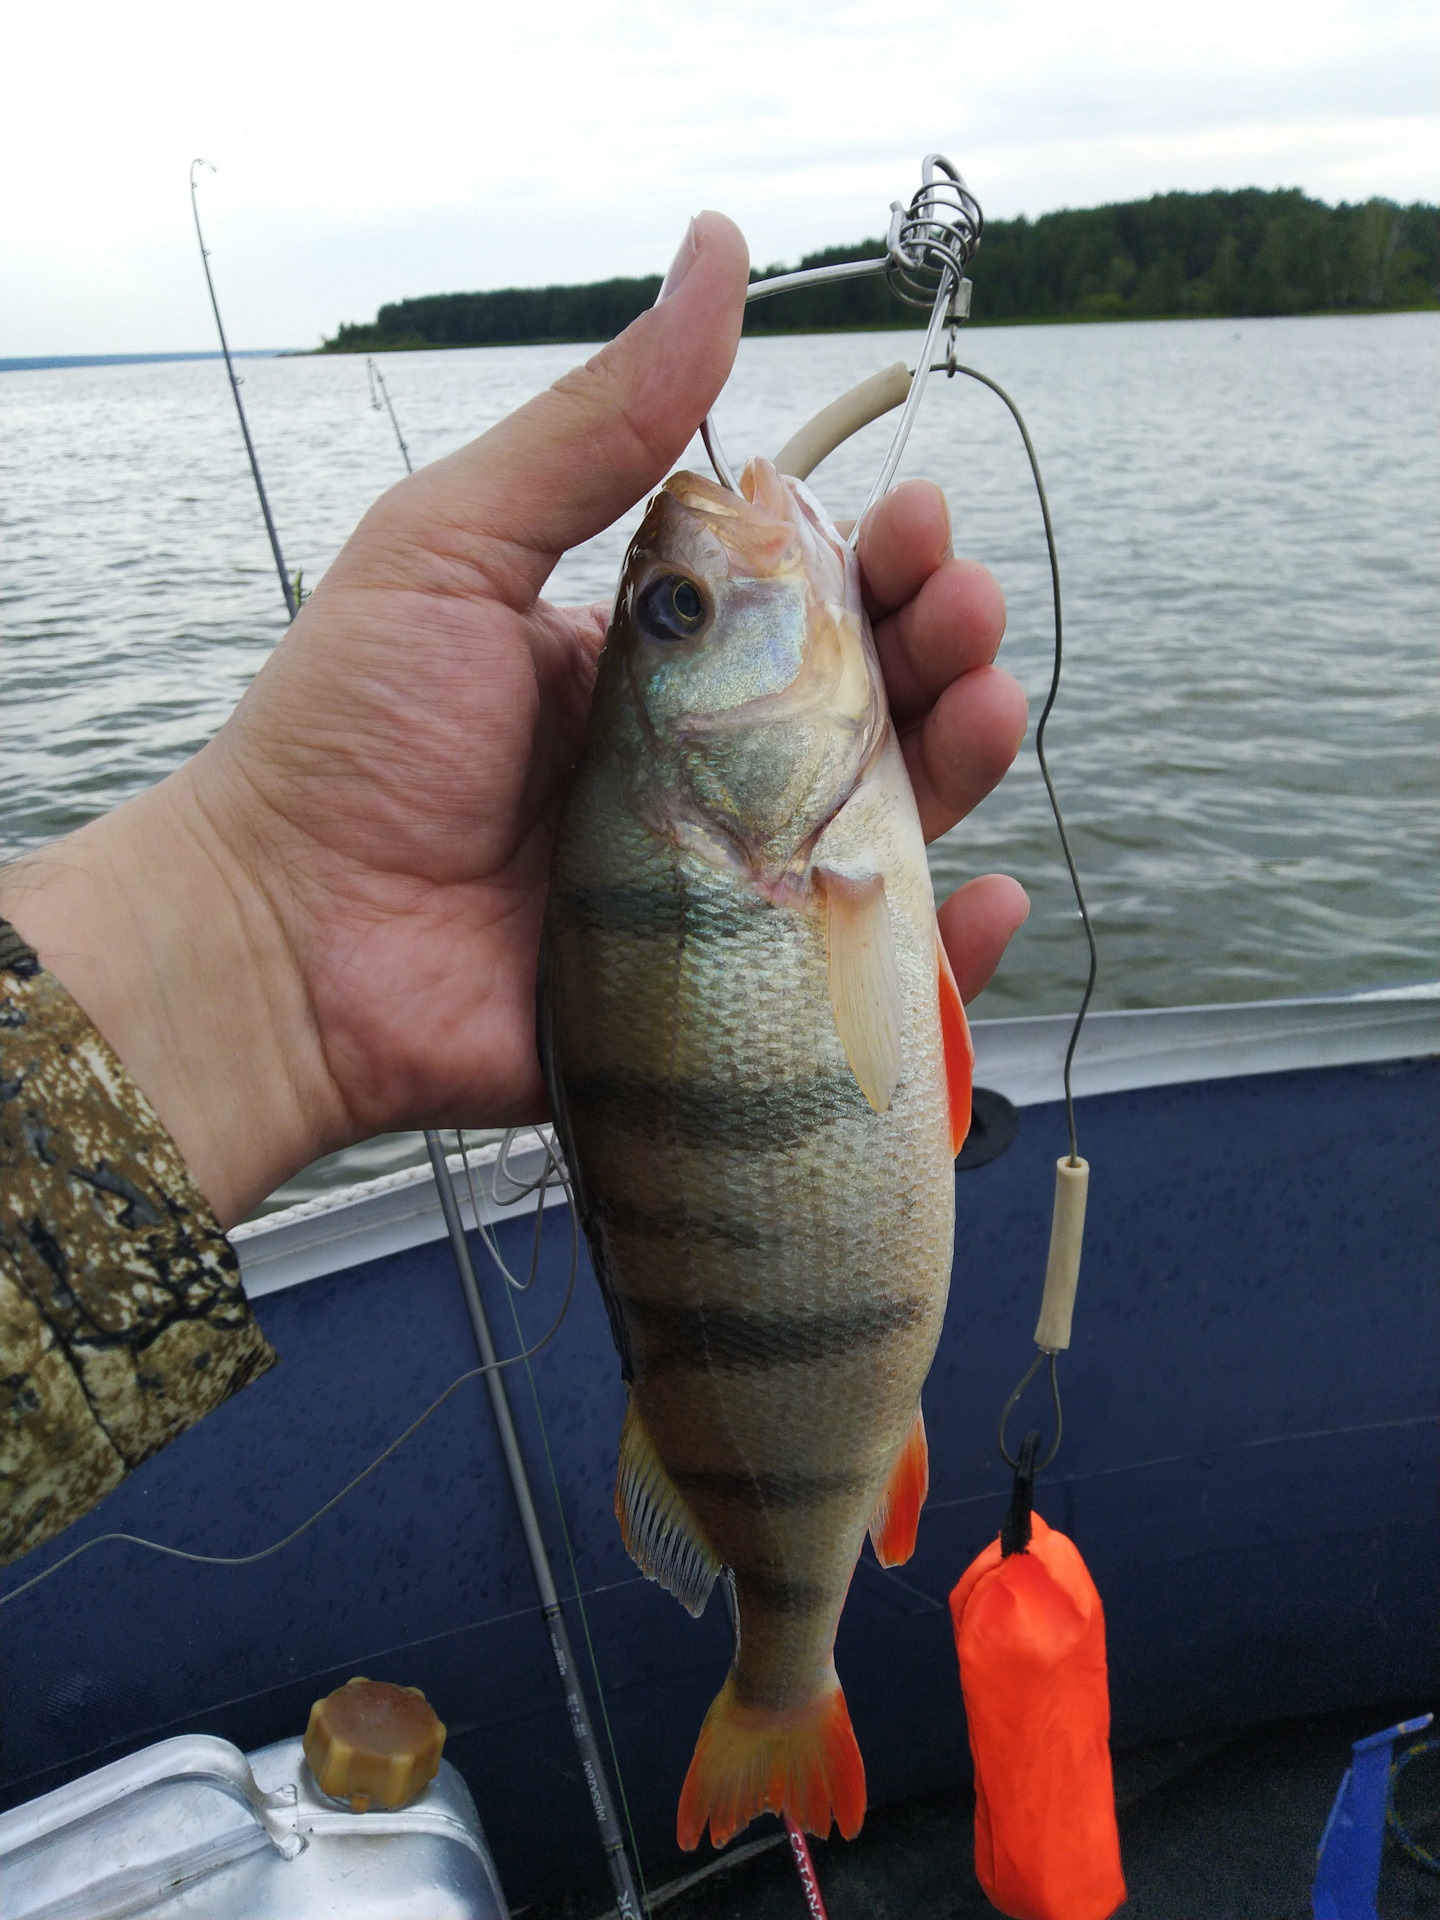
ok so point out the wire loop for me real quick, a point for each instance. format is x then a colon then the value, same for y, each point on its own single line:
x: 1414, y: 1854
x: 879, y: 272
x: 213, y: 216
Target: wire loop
x: 1014, y: 1460
x: 926, y: 252
x: 938, y: 232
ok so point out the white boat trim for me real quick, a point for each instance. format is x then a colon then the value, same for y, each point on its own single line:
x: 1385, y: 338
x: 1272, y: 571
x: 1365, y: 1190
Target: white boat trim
x: 1022, y: 1059
x: 1159, y: 1047
x: 377, y: 1217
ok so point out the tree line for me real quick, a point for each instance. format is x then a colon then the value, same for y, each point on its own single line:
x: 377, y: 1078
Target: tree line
x: 1176, y: 254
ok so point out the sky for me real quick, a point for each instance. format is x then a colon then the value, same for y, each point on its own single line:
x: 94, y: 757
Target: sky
x: 365, y: 153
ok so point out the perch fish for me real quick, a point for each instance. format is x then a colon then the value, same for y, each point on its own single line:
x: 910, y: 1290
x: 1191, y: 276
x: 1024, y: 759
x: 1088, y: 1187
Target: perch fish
x: 759, y: 1069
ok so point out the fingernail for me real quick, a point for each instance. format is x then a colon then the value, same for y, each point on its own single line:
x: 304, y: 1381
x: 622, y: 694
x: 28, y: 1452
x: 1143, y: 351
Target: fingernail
x: 679, y: 266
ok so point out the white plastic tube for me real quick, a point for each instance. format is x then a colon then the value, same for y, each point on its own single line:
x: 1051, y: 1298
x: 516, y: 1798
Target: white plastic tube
x: 833, y: 425
x: 1062, y: 1269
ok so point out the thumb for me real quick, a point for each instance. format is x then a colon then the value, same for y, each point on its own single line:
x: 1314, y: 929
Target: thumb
x: 573, y: 459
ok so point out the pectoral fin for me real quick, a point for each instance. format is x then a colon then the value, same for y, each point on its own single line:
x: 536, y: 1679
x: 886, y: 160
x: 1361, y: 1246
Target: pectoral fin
x: 864, y: 981
x: 959, y: 1050
x: 896, y: 1519
x: 657, y: 1527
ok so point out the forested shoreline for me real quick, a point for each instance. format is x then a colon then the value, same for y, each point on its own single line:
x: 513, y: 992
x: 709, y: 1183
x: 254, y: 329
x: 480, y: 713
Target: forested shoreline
x: 1172, y: 256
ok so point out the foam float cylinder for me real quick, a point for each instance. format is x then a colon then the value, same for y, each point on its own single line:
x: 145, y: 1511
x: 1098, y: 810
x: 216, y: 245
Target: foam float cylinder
x: 1062, y: 1269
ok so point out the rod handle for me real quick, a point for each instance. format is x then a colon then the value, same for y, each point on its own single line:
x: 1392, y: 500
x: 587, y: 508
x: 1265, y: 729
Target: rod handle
x: 1062, y: 1269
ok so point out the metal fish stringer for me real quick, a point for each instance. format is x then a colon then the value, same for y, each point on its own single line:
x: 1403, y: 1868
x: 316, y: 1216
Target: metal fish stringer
x: 928, y: 248
x: 929, y: 244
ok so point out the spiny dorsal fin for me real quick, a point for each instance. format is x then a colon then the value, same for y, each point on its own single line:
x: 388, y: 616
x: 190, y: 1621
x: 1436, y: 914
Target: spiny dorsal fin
x: 959, y: 1050
x: 864, y: 981
x: 657, y: 1527
x: 896, y: 1518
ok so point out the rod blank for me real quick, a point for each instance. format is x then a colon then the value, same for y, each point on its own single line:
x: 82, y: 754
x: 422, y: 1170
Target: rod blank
x: 627, y: 1898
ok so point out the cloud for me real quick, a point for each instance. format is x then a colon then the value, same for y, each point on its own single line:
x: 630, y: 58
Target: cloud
x: 377, y: 155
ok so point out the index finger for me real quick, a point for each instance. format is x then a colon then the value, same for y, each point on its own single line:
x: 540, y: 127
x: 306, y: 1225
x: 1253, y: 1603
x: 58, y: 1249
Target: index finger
x: 903, y: 538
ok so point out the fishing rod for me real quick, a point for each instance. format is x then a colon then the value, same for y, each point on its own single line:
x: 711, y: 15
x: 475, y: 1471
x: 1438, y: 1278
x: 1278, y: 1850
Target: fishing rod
x: 602, y: 1802
x: 286, y: 585
x: 377, y: 379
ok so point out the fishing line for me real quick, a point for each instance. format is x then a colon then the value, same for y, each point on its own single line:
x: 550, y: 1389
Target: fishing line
x: 1013, y: 1460
x: 951, y: 367
x: 1403, y: 1836
x: 554, y: 1162
x: 264, y: 1553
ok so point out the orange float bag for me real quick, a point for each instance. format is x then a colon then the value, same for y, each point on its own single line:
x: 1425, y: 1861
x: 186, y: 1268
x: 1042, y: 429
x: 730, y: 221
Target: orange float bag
x: 1030, y: 1633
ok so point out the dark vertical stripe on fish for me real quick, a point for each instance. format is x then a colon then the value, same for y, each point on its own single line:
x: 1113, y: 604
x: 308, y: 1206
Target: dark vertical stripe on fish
x: 700, y: 1113
x: 785, y: 1489
x: 776, y: 1594
x: 666, y: 912
x: 674, y: 1338
x: 672, y: 1223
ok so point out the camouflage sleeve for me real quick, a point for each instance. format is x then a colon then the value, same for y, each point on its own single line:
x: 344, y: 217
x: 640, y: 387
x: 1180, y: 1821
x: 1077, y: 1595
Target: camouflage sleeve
x: 122, y: 1317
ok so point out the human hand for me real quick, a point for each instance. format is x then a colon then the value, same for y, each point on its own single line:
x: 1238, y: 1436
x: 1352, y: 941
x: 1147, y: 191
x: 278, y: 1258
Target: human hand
x: 325, y: 925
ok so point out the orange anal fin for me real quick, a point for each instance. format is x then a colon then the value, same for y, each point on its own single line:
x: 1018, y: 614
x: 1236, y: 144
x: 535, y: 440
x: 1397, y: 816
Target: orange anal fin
x: 658, y: 1529
x: 801, y: 1761
x: 896, y: 1519
x: 959, y: 1050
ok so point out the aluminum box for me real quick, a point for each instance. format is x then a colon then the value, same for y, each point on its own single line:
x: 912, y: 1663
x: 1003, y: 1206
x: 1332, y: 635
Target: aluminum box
x: 194, y: 1827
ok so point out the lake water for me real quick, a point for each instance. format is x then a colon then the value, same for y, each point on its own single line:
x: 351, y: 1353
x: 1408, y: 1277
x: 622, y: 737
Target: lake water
x: 1246, y: 515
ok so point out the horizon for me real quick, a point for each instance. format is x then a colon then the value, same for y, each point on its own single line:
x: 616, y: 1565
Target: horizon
x: 41, y: 361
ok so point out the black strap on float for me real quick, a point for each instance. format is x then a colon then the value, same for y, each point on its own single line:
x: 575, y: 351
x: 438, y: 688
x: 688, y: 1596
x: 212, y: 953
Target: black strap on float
x: 1015, y: 1530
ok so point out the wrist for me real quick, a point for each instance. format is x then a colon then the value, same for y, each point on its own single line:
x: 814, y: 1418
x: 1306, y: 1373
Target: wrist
x: 150, y: 920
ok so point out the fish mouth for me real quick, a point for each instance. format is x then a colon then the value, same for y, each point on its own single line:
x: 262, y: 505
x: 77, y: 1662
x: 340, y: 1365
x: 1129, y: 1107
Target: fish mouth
x: 770, y: 525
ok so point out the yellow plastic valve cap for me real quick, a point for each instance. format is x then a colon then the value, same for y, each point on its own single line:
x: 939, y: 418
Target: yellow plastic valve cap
x: 374, y: 1744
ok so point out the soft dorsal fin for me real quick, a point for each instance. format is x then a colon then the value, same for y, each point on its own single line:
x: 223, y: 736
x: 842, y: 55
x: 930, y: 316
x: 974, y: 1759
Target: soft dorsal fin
x: 657, y: 1527
x: 864, y: 981
x: 959, y: 1049
x: 895, y: 1520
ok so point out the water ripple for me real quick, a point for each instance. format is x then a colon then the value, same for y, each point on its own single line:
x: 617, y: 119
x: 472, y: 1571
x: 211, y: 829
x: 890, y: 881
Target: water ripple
x: 1246, y: 517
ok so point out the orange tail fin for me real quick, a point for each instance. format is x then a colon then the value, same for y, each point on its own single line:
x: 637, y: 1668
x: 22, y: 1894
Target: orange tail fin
x: 802, y: 1761
x: 895, y: 1521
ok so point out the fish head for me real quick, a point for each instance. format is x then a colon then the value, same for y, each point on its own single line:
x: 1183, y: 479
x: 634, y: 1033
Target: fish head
x: 742, y: 638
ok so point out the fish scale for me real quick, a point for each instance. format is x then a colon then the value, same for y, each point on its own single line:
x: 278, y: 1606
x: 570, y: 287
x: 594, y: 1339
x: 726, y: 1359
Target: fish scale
x: 741, y: 1025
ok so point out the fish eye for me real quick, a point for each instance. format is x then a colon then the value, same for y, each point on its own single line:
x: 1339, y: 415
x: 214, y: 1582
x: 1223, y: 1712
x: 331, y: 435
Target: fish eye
x: 671, y: 608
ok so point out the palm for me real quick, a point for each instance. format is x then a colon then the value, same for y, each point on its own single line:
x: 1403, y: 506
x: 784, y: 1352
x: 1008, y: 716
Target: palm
x: 414, y: 829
